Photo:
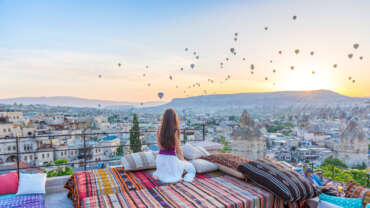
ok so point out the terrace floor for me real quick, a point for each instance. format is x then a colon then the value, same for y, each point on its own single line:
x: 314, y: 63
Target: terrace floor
x: 58, y: 200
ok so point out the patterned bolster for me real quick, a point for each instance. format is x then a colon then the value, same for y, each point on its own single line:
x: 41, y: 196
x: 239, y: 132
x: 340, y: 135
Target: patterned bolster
x: 282, y: 182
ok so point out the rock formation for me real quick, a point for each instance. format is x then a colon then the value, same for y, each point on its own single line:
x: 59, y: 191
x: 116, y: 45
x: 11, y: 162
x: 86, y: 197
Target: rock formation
x: 353, y: 145
x: 247, y: 139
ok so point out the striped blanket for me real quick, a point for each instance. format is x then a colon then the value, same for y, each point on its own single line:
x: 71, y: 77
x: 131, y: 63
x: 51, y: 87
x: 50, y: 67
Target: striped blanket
x: 112, y: 181
x: 223, y: 191
x: 26, y: 201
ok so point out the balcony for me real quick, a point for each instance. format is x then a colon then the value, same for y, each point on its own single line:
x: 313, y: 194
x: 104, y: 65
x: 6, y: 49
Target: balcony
x: 85, y: 152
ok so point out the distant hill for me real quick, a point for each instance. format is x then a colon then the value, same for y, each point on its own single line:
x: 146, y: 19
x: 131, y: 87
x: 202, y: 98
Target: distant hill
x: 283, y: 98
x: 322, y: 97
x: 76, y: 102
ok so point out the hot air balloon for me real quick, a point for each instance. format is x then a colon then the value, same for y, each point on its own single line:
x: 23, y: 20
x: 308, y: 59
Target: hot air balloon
x: 177, y: 86
x: 271, y: 61
x: 181, y: 69
x: 252, y: 66
x: 146, y: 66
x: 350, y: 55
x: 356, y: 45
x: 349, y: 78
x: 194, y: 53
x: 186, y: 49
x: 313, y: 72
x: 119, y: 64
x: 361, y: 57
x: 252, y: 72
x: 141, y: 103
x: 296, y: 51
x: 266, y: 28
x: 243, y: 59
x: 294, y: 17
x: 232, y: 50
x: 235, y: 39
x: 197, y: 57
x: 353, y: 81
x: 292, y: 68
x: 149, y: 84
x: 143, y: 75
x: 192, y: 66
x: 280, y: 52
x: 266, y: 78
x: 274, y: 71
x: 235, y: 34
x: 227, y: 59
x: 335, y: 65
x: 100, y: 76
x: 312, y: 53
x: 170, y: 77
x: 160, y: 95
x: 99, y: 105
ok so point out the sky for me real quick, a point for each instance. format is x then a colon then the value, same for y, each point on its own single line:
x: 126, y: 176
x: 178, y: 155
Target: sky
x: 59, y: 48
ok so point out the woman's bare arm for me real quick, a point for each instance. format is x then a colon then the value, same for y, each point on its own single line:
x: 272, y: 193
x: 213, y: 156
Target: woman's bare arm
x: 179, y: 153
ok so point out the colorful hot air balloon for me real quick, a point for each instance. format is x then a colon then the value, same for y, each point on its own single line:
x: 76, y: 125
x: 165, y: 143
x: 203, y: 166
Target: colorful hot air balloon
x: 280, y: 52
x: 192, y: 66
x: 350, y: 55
x: 356, y: 45
x: 312, y: 53
x: 296, y: 51
x: 335, y: 65
x: 292, y: 68
x: 266, y: 78
x: 160, y: 95
x: 232, y: 50
x: 361, y: 57
x: 294, y: 17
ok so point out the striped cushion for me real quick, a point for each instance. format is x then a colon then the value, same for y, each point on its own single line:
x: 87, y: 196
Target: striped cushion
x: 286, y: 184
x: 192, y: 152
x: 357, y: 191
x: 227, y: 159
x: 139, y: 161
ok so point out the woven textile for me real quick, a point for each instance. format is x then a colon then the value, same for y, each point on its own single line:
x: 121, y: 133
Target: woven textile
x: 357, y: 191
x: 227, y: 159
x: 113, y: 180
x: 282, y: 182
x: 203, y: 166
x: 24, y: 201
x: 139, y: 161
x: 221, y: 191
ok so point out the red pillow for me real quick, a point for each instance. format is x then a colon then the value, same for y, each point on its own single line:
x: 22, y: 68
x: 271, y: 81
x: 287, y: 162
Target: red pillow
x: 9, y: 183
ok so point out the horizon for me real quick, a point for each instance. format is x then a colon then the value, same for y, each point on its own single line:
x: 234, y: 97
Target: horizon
x: 74, y: 48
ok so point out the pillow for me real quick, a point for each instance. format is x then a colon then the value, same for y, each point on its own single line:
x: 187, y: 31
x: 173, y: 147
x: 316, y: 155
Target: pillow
x: 192, y: 152
x: 231, y: 171
x: 139, y: 161
x: 324, y: 204
x: 227, y: 159
x: 203, y: 166
x: 31, y: 183
x: 342, y: 202
x: 357, y: 191
x: 9, y: 183
x: 209, y: 146
x: 284, y: 183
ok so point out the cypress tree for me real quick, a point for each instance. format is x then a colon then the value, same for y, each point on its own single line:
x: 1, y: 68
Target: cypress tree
x: 135, y: 143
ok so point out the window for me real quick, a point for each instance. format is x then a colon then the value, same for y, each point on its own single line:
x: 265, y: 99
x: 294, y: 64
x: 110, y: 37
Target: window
x: 47, y: 155
x: 9, y: 130
x: 13, y: 147
x: 31, y: 157
x: 25, y: 158
x: 61, y: 153
x: 43, y: 156
x: 9, y: 148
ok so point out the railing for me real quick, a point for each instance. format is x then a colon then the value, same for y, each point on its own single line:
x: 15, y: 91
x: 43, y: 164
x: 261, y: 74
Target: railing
x: 82, y: 151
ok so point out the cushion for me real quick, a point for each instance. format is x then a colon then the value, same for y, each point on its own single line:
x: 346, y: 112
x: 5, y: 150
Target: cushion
x: 31, y: 183
x: 139, y: 161
x: 227, y: 159
x: 209, y: 146
x: 357, y: 191
x: 342, y: 202
x: 9, y: 183
x: 231, y: 171
x: 192, y: 152
x: 284, y: 183
x: 324, y: 204
x: 203, y: 166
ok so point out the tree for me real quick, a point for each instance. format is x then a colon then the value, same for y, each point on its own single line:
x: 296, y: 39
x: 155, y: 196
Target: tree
x: 332, y: 161
x: 135, y: 143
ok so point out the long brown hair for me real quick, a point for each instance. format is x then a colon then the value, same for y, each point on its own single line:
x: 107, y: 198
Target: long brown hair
x: 169, y: 130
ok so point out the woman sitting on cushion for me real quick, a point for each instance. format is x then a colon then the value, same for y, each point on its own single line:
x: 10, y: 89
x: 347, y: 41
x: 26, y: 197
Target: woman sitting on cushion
x: 308, y: 174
